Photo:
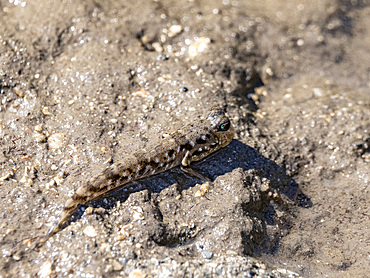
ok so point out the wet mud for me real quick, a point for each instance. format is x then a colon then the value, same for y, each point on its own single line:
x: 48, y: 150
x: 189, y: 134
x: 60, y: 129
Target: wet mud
x: 82, y: 84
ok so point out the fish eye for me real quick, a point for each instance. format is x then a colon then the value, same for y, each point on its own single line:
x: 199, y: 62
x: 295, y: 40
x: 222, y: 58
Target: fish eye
x: 224, y: 126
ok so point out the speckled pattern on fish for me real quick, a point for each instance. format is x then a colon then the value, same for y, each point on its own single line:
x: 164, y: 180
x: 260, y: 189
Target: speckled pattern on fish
x: 191, y: 143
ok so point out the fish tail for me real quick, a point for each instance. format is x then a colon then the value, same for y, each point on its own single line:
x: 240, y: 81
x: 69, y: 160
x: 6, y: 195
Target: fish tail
x: 57, y: 226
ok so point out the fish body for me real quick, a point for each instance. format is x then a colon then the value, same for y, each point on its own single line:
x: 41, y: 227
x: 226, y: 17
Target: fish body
x: 191, y: 143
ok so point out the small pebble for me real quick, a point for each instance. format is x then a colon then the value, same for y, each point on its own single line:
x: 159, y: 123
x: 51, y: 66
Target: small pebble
x: 300, y: 42
x: 109, y: 160
x: 137, y: 213
x: 121, y: 237
x: 207, y: 255
x: 27, y: 242
x: 317, y: 92
x: 104, y: 149
x: 38, y: 128
x: 45, y: 270
x: 137, y: 273
x: 90, y: 231
x: 145, y: 39
x: 162, y: 57
x: 157, y: 47
x: 200, y: 45
x: 124, y: 233
x: 255, y: 97
x: 174, y: 30
x: 26, y: 180
x: 141, y: 93
x: 57, y: 140
x: 39, y: 137
x: 18, y: 91
x: 269, y: 71
x: 58, y: 180
x: 202, y: 190
x: 104, y: 247
x: 117, y: 266
x: 45, y: 110
x: 89, y: 210
x: 261, y: 91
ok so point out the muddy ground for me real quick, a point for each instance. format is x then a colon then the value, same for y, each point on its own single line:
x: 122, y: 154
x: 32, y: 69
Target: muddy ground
x: 84, y: 83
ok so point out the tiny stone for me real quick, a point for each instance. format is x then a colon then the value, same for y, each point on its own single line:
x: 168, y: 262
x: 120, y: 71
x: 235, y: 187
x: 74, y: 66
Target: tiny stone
x: 58, y: 180
x: 119, y: 237
x: 300, y: 42
x: 18, y: 91
x: 141, y: 93
x: 144, y: 39
x: 38, y: 128
x: 90, y: 231
x: 162, y: 57
x: 207, y: 255
x: 157, y: 47
x: 57, y: 140
x: 261, y: 91
x: 39, y: 137
x: 23, y: 179
x: 45, y: 110
x: 255, y: 97
x: 27, y: 242
x: 317, y: 92
x: 202, y: 190
x: 269, y: 71
x: 200, y: 45
x: 109, y: 160
x: 45, y: 270
x: 89, y: 210
x: 174, y: 30
x: 123, y: 233
x: 137, y: 273
x: 117, y: 266
x: 137, y: 213
x: 104, y: 247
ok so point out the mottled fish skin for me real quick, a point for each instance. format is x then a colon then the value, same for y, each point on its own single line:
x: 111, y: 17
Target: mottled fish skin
x: 192, y: 143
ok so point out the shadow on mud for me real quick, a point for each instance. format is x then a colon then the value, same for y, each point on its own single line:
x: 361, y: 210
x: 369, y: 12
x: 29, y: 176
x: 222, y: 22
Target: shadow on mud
x: 236, y: 155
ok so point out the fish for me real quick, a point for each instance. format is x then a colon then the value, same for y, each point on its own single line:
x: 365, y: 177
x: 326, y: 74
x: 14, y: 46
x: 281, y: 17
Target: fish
x: 191, y: 143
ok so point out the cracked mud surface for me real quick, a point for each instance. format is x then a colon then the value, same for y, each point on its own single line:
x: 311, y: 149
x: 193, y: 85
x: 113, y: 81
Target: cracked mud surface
x: 83, y: 84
